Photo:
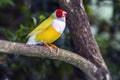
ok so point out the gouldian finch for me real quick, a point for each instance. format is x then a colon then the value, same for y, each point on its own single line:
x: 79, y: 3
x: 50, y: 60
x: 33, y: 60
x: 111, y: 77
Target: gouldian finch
x: 49, y: 30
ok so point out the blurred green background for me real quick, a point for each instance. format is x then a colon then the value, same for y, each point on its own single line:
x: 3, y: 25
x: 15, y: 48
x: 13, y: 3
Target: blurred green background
x: 19, y: 17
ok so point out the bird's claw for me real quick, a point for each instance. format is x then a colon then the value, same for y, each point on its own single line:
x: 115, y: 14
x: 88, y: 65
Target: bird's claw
x: 51, y: 46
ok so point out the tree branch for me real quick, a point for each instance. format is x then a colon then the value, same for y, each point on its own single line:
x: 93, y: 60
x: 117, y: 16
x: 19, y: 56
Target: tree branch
x: 83, y: 40
x: 41, y: 51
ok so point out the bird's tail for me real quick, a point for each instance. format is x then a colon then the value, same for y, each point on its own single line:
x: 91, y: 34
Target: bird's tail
x: 31, y: 41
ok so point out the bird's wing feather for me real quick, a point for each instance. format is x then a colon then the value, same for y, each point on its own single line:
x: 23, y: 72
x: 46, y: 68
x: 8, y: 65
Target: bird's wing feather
x: 44, y: 25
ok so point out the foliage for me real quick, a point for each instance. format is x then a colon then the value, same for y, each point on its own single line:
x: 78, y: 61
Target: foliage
x: 18, y: 19
x: 6, y: 2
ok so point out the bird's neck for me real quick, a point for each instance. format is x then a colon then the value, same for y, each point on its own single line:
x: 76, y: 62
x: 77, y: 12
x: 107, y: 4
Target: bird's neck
x: 61, y: 19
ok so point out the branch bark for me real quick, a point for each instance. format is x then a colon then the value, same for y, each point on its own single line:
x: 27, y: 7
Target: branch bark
x: 41, y: 51
x: 84, y: 42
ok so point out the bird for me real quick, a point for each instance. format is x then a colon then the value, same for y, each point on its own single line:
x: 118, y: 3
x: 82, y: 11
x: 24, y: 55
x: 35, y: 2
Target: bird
x: 49, y: 30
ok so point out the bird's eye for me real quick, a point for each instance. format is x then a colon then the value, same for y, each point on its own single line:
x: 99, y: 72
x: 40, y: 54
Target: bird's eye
x: 59, y: 14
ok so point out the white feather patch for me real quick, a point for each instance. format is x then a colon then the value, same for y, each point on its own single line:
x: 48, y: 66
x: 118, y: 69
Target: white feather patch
x: 31, y: 40
x: 58, y: 25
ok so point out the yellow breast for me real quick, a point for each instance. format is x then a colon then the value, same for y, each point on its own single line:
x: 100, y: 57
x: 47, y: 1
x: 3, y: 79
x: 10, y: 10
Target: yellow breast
x: 49, y: 35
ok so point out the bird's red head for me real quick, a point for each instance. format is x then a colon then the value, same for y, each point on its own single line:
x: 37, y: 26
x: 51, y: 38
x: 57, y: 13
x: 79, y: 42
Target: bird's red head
x: 60, y: 13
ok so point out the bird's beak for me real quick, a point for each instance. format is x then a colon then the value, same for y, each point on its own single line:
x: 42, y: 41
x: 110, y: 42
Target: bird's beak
x: 64, y: 14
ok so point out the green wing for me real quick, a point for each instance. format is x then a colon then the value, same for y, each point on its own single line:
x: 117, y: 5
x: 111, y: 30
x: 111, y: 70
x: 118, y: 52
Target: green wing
x: 45, y: 24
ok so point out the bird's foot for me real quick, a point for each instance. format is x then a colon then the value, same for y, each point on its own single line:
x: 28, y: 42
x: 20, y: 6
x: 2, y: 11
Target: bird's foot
x: 51, y: 46
x: 54, y: 46
x: 45, y: 44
